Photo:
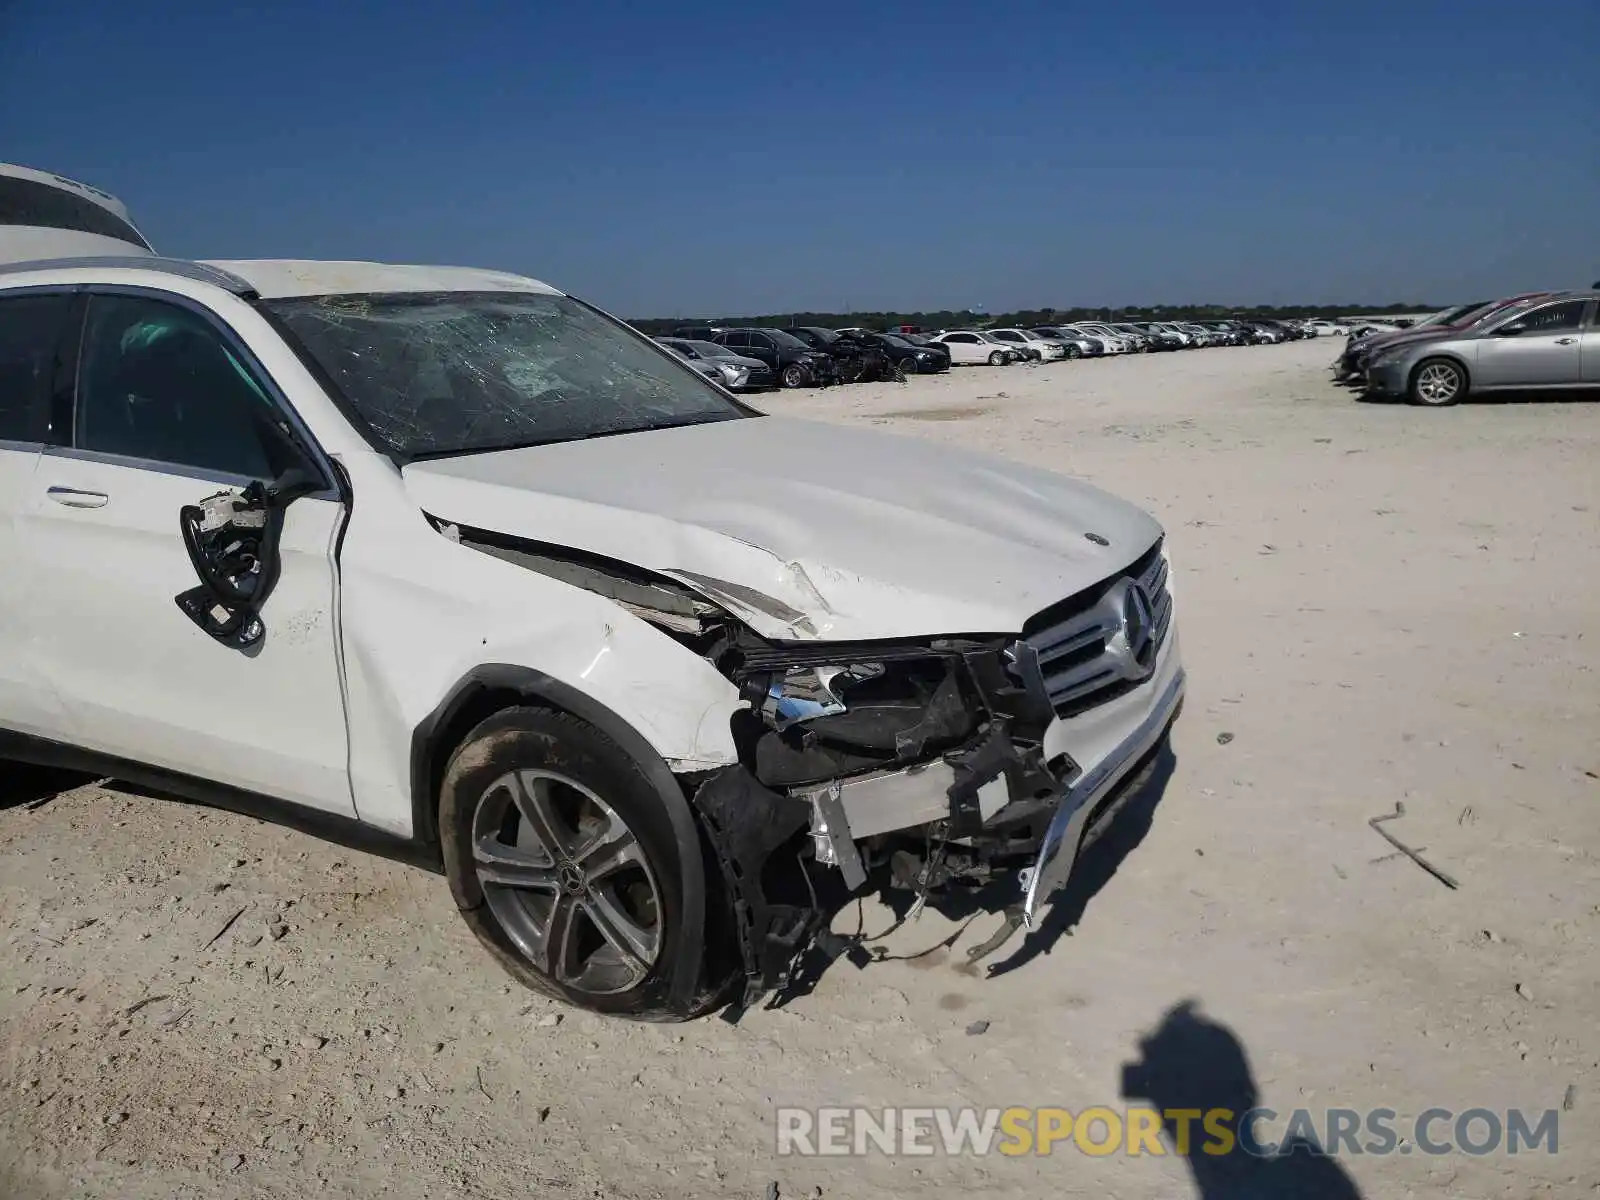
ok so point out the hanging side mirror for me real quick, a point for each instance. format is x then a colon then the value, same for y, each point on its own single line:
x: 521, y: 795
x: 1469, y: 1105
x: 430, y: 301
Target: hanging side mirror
x: 232, y: 541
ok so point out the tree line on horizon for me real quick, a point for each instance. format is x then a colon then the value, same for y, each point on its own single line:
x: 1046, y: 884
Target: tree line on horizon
x: 1029, y: 317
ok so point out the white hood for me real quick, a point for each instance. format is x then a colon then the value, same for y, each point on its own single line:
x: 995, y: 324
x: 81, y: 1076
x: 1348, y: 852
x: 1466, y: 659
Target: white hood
x: 806, y: 530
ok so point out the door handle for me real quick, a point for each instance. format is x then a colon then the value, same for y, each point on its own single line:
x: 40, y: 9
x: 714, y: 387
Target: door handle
x: 73, y: 498
x: 1565, y: 341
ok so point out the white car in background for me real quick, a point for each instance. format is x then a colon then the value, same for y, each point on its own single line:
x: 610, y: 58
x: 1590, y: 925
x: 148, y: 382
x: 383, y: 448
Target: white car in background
x: 1329, y: 329
x: 1107, y: 343
x: 969, y: 348
x: 1117, y: 342
x: 1048, y: 349
x: 446, y: 559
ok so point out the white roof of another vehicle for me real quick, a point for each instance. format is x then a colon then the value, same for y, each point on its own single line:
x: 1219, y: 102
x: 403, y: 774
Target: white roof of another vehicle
x: 103, y: 199
x: 275, y: 278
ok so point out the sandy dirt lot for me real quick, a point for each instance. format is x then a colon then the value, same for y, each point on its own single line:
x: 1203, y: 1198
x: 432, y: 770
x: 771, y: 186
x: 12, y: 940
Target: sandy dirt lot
x: 1378, y: 604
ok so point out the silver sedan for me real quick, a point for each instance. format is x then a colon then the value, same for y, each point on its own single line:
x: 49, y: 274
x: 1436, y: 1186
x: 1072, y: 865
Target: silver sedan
x: 1552, y: 342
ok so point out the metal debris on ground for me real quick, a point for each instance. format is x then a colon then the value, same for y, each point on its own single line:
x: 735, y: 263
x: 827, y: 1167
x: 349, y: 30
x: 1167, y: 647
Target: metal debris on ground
x: 1414, y: 855
x: 1569, y: 1100
x: 977, y: 1028
x: 1001, y: 935
x: 1224, y: 738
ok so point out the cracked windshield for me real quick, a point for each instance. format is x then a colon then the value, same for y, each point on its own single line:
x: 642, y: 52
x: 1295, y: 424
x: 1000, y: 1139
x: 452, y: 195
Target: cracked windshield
x: 437, y: 374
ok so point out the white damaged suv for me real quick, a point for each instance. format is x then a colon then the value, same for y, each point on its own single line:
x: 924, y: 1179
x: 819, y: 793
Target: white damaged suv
x: 447, y: 561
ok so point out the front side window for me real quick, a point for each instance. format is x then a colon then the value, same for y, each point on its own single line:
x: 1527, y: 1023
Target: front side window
x: 1552, y: 317
x: 30, y: 326
x: 1005, y: 337
x: 158, y: 382
x: 440, y: 373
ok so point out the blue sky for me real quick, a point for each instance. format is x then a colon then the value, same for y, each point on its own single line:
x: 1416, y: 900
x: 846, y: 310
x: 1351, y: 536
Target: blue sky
x: 701, y: 158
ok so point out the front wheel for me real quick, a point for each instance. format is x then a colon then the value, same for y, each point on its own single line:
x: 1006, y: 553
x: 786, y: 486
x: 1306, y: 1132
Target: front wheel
x: 997, y: 358
x: 563, y: 861
x: 794, y: 375
x: 1073, y: 352
x: 908, y: 366
x: 1438, y: 382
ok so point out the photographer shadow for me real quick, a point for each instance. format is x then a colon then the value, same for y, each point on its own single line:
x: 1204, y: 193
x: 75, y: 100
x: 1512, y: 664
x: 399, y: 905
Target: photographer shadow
x: 1191, y: 1062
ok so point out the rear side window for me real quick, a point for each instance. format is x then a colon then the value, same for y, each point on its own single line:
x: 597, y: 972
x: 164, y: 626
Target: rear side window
x: 158, y: 382
x: 30, y: 328
x: 29, y: 202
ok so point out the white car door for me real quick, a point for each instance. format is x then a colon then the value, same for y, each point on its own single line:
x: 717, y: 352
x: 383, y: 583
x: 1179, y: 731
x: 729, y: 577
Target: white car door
x: 170, y: 408
x: 965, y: 348
x: 32, y: 325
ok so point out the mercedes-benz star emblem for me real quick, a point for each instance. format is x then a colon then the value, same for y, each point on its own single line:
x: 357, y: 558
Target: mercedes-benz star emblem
x: 1138, y: 625
x: 1131, y: 648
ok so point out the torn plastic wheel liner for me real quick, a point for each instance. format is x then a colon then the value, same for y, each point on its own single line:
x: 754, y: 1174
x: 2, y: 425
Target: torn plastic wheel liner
x: 758, y: 835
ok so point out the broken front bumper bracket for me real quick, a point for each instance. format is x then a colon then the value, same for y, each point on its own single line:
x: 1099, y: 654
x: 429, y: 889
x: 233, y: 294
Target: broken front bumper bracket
x: 1058, y: 852
x: 968, y: 790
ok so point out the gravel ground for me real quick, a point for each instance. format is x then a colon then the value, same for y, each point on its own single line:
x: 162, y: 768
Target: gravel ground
x: 1378, y: 604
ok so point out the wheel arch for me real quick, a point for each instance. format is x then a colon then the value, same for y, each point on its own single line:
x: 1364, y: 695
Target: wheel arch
x: 494, y: 687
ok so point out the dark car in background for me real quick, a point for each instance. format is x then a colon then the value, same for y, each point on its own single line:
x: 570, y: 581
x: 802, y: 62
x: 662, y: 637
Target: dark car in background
x: 907, y: 354
x: 855, y: 359
x: 795, y: 363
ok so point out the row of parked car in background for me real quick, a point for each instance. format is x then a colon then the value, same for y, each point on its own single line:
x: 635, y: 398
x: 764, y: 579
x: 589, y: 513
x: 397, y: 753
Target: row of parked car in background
x: 1529, y: 342
x: 757, y: 358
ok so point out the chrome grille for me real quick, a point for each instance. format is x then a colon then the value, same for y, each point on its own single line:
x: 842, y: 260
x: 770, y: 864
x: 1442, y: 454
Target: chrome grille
x: 1083, y: 648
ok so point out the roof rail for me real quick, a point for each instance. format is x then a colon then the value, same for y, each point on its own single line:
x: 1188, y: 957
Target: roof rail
x: 182, y: 267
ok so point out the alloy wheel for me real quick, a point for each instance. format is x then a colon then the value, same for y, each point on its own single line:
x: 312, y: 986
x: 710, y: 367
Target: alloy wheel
x: 568, y: 881
x: 1438, y: 383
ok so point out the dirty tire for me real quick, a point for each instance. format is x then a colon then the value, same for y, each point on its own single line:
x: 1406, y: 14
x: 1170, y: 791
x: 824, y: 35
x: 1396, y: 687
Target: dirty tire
x: 641, y: 903
x: 794, y: 375
x: 1074, y: 352
x: 997, y: 358
x: 1437, y: 383
x: 907, y: 366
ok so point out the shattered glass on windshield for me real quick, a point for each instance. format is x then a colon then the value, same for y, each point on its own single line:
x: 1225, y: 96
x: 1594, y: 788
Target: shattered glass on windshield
x: 442, y: 373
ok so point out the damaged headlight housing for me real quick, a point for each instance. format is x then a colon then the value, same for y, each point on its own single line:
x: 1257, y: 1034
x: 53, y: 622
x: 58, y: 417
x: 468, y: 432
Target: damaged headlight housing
x: 804, y: 693
x: 812, y: 719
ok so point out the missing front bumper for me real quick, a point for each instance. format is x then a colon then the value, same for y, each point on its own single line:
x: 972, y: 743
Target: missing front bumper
x: 992, y: 780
